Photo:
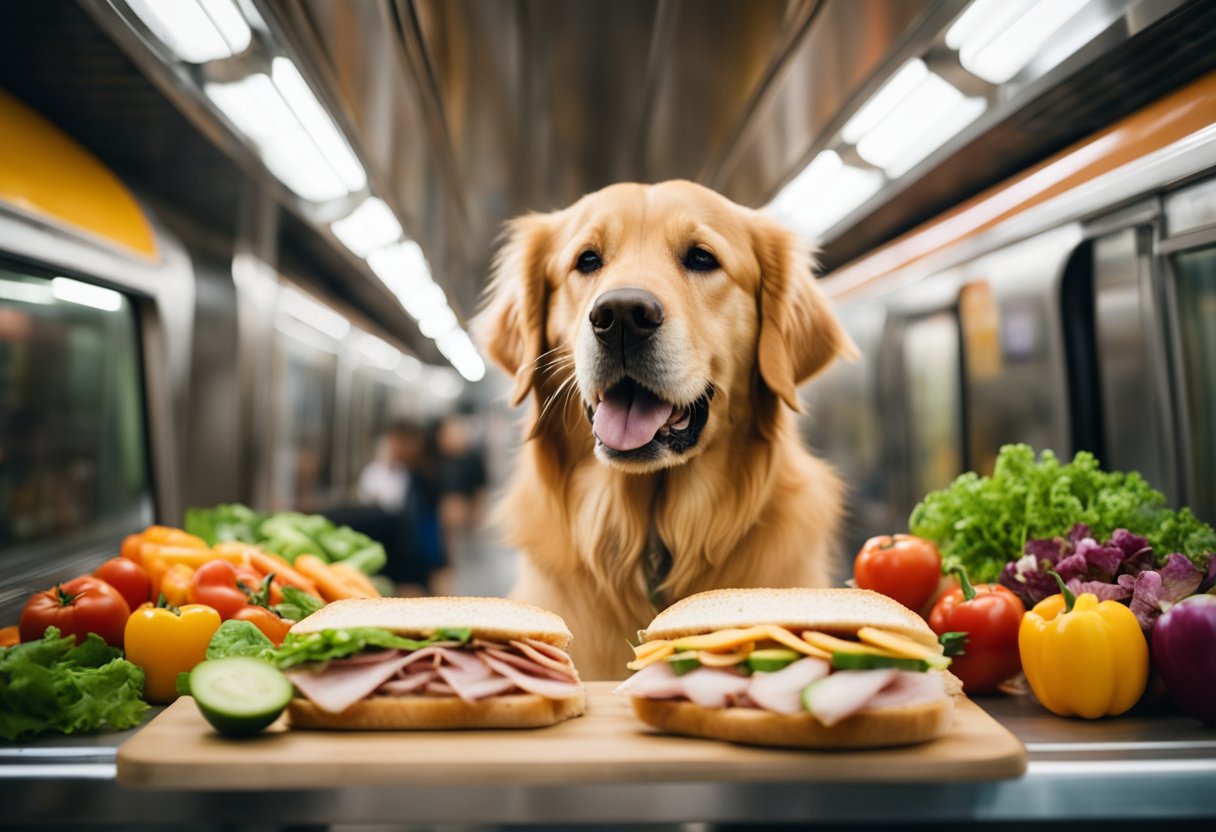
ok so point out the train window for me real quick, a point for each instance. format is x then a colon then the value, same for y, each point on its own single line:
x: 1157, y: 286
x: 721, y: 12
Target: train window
x: 73, y: 455
x: 1196, y: 304
x: 303, y: 467
x: 932, y: 374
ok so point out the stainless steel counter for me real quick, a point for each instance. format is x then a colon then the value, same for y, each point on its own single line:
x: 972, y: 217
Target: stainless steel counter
x: 1134, y: 767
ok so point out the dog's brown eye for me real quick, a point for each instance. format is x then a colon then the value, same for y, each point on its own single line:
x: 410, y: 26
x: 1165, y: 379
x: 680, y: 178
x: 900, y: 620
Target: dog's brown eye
x: 588, y: 262
x: 699, y: 260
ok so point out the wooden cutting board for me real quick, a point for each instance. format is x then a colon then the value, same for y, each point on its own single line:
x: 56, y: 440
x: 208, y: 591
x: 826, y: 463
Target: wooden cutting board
x: 179, y: 750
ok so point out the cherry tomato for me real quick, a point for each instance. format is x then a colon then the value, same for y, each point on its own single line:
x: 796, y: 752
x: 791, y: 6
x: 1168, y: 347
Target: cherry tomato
x: 81, y: 606
x: 990, y: 615
x: 215, y: 584
x: 272, y: 626
x: 129, y: 578
x: 902, y: 567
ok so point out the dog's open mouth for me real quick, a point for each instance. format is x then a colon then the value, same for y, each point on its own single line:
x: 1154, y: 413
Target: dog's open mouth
x: 630, y: 421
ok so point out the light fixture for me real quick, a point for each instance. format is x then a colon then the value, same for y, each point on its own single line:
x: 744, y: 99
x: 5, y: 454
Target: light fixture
x: 318, y: 124
x: 888, y: 97
x: 996, y: 39
x: 410, y: 368
x: 928, y: 114
x: 255, y: 107
x: 380, y: 353
x: 458, y: 349
x: 369, y: 227
x: 305, y: 309
x: 196, y: 31
x: 86, y: 294
x: 22, y: 292
x: 439, y: 321
x: 824, y: 193
x: 444, y: 384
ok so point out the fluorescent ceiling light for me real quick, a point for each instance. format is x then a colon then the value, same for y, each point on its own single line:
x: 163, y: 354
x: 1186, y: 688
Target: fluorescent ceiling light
x: 438, y: 321
x: 824, y: 193
x: 459, y: 350
x: 318, y: 124
x: 444, y: 384
x: 85, y: 294
x: 381, y: 353
x: 22, y: 292
x: 305, y: 309
x: 196, y: 31
x: 906, y: 129
x: 410, y: 368
x: 997, y: 39
x: 255, y: 107
x: 950, y: 125
x: 369, y: 227
x: 885, y: 100
x: 401, y: 267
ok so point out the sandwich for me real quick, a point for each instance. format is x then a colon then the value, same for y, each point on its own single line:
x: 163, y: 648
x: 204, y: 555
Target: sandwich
x: 797, y: 668
x: 430, y: 663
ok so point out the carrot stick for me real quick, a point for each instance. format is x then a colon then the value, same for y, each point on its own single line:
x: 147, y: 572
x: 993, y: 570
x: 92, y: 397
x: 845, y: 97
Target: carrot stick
x: 355, y: 578
x: 284, y: 573
x: 332, y: 585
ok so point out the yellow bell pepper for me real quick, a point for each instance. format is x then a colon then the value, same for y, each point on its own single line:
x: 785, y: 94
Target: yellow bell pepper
x: 1082, y: 657
x: 167, y: 641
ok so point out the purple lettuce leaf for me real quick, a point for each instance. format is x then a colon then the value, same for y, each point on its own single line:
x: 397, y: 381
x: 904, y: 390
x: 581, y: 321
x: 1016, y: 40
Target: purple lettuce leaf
x: 1179, y: 578
x: 1105, y: 591
x: 1049, y: 550
x: 1209, y: 580
x: 1155, y: 592
x: 1073, y: 566
x: 1102, y: 562
x: 1027, y: 578
x: 1079, y: 532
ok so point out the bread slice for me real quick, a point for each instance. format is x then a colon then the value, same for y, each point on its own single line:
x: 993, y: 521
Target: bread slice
x: 430, y: 713
x: 494, y: 619
x: 751, y: 726
x: 837, y: 611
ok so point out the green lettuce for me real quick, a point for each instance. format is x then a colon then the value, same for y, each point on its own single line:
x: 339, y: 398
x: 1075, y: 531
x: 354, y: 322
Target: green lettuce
x: 239, y: 638
x: 53, y: 685
x: 980, y: 523
x: 322, y: 646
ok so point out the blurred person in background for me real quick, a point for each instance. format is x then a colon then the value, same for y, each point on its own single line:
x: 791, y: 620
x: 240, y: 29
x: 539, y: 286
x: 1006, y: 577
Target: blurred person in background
x: 461, y: 479
x: 400, y: 482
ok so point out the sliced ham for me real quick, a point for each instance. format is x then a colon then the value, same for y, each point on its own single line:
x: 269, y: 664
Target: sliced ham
x: 781, y: 690
x: 439, y: 689
x: 909, y: 688
x: 467, y: 663
x: 528, y: 666
x: 713, y: 687
x: 654, y: 681
x: 548, y: 688
x: 566, y: 668
x: 343, y: 683
x: 470, y: 687
x: 401, y: 686
x: 549, y: 650
x: 844, y: 693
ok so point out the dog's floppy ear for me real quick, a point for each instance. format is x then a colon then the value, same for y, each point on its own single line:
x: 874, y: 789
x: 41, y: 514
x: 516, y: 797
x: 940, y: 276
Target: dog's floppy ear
x: 511, y: 325
x: 799, y: 335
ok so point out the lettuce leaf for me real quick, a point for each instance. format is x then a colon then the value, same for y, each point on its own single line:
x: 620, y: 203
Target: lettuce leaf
x: 981, y: 523
x: 322, y: 646
x: 53, y: 685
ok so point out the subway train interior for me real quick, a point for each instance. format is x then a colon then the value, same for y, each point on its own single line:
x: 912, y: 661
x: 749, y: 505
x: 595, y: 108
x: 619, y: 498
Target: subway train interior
x: 246, y: 250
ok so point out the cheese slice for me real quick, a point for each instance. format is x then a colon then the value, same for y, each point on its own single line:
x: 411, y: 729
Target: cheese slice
x: 652, y: 656
x: 709, y: 659
x: 722, y: 640
x: 839, y: 645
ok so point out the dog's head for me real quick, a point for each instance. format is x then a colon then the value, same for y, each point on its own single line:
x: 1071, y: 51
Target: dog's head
x: 664, y: 308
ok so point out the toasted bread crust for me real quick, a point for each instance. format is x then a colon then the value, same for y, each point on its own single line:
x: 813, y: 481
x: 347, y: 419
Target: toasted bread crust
x: 387, y: 713
x: 841, y: 611
x: 751, y: 726
x: 494, y: 619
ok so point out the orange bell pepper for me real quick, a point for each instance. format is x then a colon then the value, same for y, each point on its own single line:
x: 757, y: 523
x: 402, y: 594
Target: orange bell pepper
x: 175, y: 585
x: 10, y: 636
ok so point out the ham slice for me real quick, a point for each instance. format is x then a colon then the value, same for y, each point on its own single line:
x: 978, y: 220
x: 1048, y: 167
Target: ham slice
x: 781, y: 690
x: 566, y: 668
x: 470, y: 688
x: 909, y: 688
x: 401, y: 686
x: 846, y: 692
x: 439, y: 689
x: 528, y: 666
x: 344, y: 683
x: 548, y: 688
x: 713, y: 687
x: 654, y: 681
x: 549, y: 650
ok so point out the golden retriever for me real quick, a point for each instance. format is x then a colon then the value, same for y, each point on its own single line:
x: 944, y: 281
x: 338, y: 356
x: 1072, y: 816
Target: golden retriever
x: 663, y: 331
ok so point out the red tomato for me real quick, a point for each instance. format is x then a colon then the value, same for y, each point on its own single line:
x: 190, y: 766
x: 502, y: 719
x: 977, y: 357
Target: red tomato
x: 81, y: 606
x: 902, y: 567
x: 271, y: 625
x: 129, y: 578
x: 215, y: 584
x: 990, y: 615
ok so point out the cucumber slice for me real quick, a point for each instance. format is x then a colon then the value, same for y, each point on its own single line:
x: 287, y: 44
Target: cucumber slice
x: 868, y: 661
x: 239, y: 696
x: 770, y: 661
x: 684, y: 662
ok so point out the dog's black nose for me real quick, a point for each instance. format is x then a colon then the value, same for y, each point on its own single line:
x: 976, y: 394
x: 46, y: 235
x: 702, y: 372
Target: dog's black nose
x: 628, y: 316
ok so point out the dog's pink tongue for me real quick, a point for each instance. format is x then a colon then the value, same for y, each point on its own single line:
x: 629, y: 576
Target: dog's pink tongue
x: 629, y: 418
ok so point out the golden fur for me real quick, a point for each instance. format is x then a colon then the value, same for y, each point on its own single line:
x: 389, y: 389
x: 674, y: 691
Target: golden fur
x: 747, y: 505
